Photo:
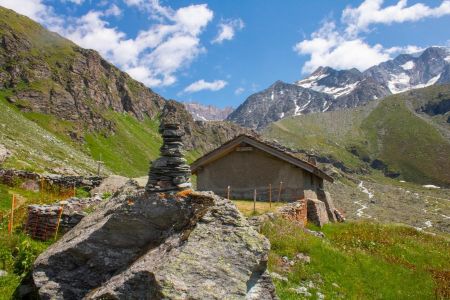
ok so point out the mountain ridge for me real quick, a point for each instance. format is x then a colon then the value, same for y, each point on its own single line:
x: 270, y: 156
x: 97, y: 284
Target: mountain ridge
x: 351, y: 88
x: 202, y: 112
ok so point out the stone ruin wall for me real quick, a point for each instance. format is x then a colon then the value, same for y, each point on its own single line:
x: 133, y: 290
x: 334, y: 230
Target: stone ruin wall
x: 11, y: 177
x: 42, y: 221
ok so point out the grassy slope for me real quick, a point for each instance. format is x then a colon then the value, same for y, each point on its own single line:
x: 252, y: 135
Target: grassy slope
x: 324, y: 133
x: 389, y: 131
x: 408, y: 143
x: 129, y: 150
x: 35, y: 148
x: 40, y: 143
x: 361, y: 261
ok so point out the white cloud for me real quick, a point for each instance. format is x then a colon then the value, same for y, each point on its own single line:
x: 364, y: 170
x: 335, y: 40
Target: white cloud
x: 78, y: 2
x: 201, y: 85
x: 134, y: 2
x: 34, y: 9
x: 327, y: 47
x: 345, y: 47
x: 113, y: 10
x: 227, y: 29
x: 156, y: 54
x: 371, y: 12
x: 239, y: 91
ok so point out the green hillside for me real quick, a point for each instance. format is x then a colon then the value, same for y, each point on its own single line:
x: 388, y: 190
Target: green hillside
x: 35, y: 148
x: 394, y: 134
x: 39, y: 142
x: 130, y: 148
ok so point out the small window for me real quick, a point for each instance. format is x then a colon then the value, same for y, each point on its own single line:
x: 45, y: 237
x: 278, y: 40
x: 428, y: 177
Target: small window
x: 312, y: 179
x: 244, y: 149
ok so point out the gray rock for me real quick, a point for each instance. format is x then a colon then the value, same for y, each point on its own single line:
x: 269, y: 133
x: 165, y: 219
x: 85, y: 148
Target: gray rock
x: 317, y: 212
x: 142, y: 245
x: 110, y: 184
x: 4, y: 153
x: 318, y: 234
x: 303, y: 258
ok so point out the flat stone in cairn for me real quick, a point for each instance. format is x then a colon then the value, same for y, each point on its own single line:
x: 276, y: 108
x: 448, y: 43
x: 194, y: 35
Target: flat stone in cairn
x: 170, y: 171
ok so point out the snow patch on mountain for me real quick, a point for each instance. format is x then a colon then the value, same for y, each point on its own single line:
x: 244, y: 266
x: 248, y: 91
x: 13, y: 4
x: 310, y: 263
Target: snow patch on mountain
x: 298, y: 109
x: 409, y: 65
x: 311, y: 81
x: 401, y: 83
x: 336, y: 91
x: 430, y: 82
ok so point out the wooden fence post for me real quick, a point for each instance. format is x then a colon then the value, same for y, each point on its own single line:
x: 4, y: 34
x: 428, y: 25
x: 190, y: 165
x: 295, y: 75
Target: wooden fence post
x: 42, y: 189
x: 254, y: 201
x: 228, y: 192
x: 59, y: 220
x: 270, y: 195
x: 11, y: 219
x: 279, y: 191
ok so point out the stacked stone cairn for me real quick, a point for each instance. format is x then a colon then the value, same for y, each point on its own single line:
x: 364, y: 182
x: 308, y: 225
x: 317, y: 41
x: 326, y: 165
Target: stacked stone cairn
x: 170, y: 172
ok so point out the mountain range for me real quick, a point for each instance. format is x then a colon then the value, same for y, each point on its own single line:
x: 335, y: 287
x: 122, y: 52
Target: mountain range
x: 202, y: 112
x: 327, y: 89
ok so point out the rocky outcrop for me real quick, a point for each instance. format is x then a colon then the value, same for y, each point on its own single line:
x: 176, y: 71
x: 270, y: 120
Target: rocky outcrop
x: 4, y: 153
x: 142, y: 245
x: 59, y: 78
x: 109, y: 185
x: 317, y: 212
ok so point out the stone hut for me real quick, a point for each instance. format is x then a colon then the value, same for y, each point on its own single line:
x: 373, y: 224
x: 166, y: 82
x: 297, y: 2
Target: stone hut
x: 247, y: 163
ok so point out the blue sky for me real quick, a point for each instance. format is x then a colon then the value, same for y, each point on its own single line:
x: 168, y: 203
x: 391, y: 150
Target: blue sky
x: 220, y: 52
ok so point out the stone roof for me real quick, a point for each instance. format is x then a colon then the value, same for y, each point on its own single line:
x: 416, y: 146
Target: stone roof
x: 271, y: 147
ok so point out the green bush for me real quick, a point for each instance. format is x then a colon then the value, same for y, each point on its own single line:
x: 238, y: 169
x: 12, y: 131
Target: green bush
x: 82, y: 193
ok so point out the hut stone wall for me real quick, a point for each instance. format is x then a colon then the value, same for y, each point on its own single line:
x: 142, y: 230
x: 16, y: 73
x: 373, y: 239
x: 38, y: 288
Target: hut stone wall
x: 247, y: 168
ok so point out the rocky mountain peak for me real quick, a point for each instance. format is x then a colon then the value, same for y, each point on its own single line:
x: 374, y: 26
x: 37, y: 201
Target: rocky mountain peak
x: 330, y: 89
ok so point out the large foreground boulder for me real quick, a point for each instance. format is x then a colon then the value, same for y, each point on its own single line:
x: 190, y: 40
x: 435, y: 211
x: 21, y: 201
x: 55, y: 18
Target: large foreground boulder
x: 142, y: 245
